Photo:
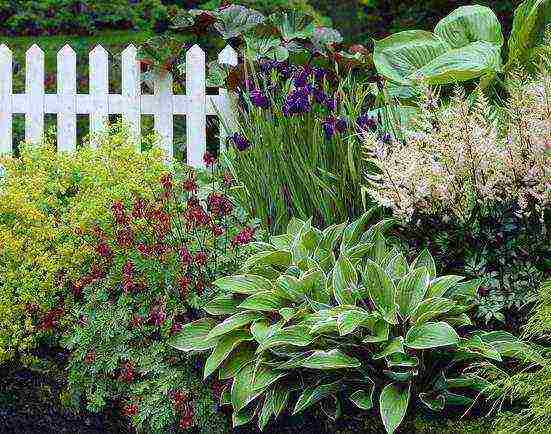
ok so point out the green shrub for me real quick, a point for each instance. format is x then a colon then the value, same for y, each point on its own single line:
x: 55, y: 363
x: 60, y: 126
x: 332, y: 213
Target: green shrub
x: 334, y: 317
x: 48, y: 201
x: 153, y: 268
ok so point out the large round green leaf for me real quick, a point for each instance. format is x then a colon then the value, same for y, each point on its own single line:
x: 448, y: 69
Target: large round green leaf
x: 461, y: 64
x: 470, y: 24
x: 398, y: 56
x: 431, y: 335
x: 393, y: 405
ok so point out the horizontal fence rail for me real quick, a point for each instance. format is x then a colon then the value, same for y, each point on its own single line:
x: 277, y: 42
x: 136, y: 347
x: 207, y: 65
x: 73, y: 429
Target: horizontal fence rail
x: 99, y: 103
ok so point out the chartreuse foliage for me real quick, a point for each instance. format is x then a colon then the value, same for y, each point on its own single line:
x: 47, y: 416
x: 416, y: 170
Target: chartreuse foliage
x: 325, y: 316
x: 466, y: 44
x: 48, y: 201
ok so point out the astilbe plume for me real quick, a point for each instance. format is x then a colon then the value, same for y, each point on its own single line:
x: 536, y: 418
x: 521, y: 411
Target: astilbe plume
x: 461, y: 156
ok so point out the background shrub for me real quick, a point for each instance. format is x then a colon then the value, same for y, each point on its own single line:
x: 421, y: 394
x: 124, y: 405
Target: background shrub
x: 48, y: 201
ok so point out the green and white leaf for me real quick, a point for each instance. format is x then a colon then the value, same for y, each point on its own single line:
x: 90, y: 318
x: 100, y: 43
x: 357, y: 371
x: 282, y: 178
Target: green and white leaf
x: 393, y: 404
x: 431, y: 335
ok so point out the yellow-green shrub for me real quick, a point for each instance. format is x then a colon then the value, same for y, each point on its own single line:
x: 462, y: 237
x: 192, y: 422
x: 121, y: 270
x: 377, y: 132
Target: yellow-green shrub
x: 48, y: 203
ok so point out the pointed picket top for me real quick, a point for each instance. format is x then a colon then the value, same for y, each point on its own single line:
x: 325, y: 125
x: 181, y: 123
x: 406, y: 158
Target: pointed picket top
x: 129, y: 52
x: 98, y: 50
x: 35, y: 52
x: 228, y: 56
x: 5, y: 50
x: 66, y: 50
x: 195, y: 52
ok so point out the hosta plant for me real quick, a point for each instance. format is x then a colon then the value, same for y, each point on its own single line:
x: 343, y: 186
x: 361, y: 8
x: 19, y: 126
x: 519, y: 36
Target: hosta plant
x: 465, y: 45
x: 327, y: 316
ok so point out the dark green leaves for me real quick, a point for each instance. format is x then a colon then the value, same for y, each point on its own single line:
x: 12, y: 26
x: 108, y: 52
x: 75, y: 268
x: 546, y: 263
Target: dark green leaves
x: 223, y: 348
x: 298, y: 336
x: 315, y: 394
x: 411, y: 291
x: 194, y: 336
x: 431, y: 335
x: 393, y: 405
x: 234, y: 322
x: 328, y: 360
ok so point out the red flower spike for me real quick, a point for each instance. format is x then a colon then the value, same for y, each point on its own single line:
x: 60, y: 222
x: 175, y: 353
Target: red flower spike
x: 244, y: 237
x: 185, y: 257
x: 138, y: 210
x: 118, y: 213
x: 103, y: 249
x: 219, y: 205
x: 200, y: 259
x: 125, y: 238
x: 130, y: 410
x: 190, y: 184
x: 209, y: 159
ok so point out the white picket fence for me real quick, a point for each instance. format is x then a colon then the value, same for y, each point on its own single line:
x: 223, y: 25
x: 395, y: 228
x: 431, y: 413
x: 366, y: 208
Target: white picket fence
x: 99, y: 103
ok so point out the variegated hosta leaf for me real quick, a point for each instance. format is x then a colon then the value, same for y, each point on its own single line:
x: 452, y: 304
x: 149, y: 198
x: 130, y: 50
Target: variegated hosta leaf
x: 411, y: 291
x: 431, y: 335
x: 265, y: 301
x: 439, y: 286
x: 393, y: 405
x: 345, y: 278
x: 380, y: 332
x: 349, y: 320
x: 397, y: 268
x: 243, y: 283
x: 327, y: 360
x: 234, y: 322
x: 396, y: 345
x: 222, y: 305
x: 194, y: 336
x: 468, y: 24
x: 223, y: 348
x: 431, y: 308
x: 315, y: 394
x: 280, y: 259
x: 381, y: 290
x: 354, y: 230
x: 401, y: 360
x: 297, y: 336
x: 425, y: 259
x: 363, y: 399
x: 237, y: 360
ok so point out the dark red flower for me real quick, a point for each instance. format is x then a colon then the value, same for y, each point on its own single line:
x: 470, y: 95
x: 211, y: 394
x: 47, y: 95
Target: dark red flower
x: 216, y: 230
x: 127, y: 373
x: 51, y: 319
x: 209, y: 159
x: 103, y: 249
x: 138, y: 209
x: 186, y: 420
x: 157, y: 315
x: 144, y: 249
x: 130, y: 410
x: 183, y: 284
x: 179, y: 398
x: 161, y: 222
x: 90, y: 357
x: 128, y: 283
x: 118, y: 213
x: 199, y: 287
x: 200, y: 259
x: 176, y: 327
x: 166, y: 182
x: 228, y: 179
x: 185, y: 257
x: 219, y: 205
x: 244, y: 237
x: 196, y: 216
x: 136, y: 321
x: 190, y: 184
x: 125, y: 238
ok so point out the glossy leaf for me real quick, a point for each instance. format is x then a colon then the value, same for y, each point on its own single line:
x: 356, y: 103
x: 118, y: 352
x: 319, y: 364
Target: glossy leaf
x: 235, y: 20
x: 411, y: 291
x: 267, y: 301
x: 431, y: 335
x: 381, y: 290
x: 363, y: 399
x: 315, y: 394
x: 223, y: 348
x: 393, y: 405
x: 425, y: 259
x: 243, y: 284
x: 194, y: 336
x: 234, y: 322
x: 327, y: 360
x: 222, y: 305
x: 439, y: 286
x: 345, y: 278
x: 431, y: 308
x: 298, y: 336
x: 468, y: 24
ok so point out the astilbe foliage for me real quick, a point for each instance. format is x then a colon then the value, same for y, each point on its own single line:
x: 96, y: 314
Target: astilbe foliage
x: 465, y: 156
x: 339, y: 316
x: 474, y: 185
x: 154, y: 266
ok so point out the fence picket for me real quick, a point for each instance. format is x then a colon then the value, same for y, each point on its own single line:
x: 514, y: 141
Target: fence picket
x: 99, y: 103
x: 131, y: 91
x: 196, y: 122
x: 34, y: 84
x: 66, y: 93
x: 227, y: 56
x: 99, y: 92
x: 163, y: 118
x: 6, y: 103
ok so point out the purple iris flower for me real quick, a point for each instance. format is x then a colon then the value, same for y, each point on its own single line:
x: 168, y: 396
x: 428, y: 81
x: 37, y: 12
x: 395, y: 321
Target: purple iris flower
x: 259, y: 99
x: 319, y: 96
x: 328, y: 127
x: 285, y: 70
x: 319, y: 74
x: 386, y: 138
x: 240, y: 142
x: 341, y: 125
x: 302, y: 76
x: 298, y: 102
x: 331, y: 104
x: 366, y: 122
